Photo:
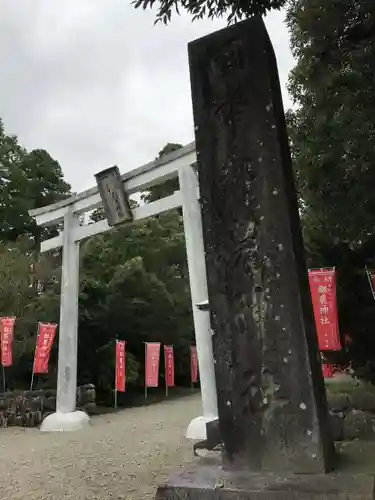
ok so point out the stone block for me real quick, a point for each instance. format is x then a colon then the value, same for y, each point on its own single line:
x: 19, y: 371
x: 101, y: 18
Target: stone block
x: 90, y: 408
x: 36, y: 403
x: 37, y: 393
x: 16, y: 403
x: 359, y: 425
x: 212, y: 482
x: 88, y: 394
x: 49, y: 403
x: 29, y: 419
x: 271, y: 397
x: 18, y: 420
x: 38, y: 417
x: 337, y: 426
x: 3, y: 419
x: 338, y: 403
x: 49, y: 393
x: 28, y: 408
x: 79, y: 396
x: 3, y: 402
x: 363, y: 400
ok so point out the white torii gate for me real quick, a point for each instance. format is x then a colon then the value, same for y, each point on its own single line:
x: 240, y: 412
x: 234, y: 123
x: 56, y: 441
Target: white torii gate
x: 179, y: 164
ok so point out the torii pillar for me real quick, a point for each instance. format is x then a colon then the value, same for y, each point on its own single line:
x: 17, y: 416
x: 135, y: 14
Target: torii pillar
x: 191, y: 211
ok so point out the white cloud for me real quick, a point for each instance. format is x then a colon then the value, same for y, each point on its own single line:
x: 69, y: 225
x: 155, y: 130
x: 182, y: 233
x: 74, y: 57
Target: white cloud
x: 96, y: 83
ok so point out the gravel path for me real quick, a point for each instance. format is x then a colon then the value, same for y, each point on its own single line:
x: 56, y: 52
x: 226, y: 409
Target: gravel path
x: 121, y: 456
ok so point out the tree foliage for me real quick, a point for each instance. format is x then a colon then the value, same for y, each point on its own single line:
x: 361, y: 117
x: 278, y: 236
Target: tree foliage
x: 332, y: 130
x: 133, y: 280
x: 235, y: 10
x: 334, y: 125
x: 166, y: 188
x: 27, y: 180
x: 18, y: 297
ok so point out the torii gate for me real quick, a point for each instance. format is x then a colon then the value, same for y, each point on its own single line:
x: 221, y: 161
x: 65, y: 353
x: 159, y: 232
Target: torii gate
x: 179, y: 164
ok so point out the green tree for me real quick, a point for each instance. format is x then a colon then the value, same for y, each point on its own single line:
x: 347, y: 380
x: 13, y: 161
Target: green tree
x: 134, y: 287
x: 331, y: 133
x: 166, y: 188
x: 199, y: 9
x: 27, y: 180
x: 333, y: 128
x: 19, y: 298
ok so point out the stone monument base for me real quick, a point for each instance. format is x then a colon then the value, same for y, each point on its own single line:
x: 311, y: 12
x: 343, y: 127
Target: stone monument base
x: 65, y: 422
x: 207, y: 480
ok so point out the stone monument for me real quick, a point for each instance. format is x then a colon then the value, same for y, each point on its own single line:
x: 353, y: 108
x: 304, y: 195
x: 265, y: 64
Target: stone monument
x: 273, y: 416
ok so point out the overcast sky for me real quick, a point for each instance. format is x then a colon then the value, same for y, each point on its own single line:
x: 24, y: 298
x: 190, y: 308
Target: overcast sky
x: 95, y: 83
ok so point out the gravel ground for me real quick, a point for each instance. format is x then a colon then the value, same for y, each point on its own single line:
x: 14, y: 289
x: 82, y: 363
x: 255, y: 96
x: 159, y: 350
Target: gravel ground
x: 122, y: 455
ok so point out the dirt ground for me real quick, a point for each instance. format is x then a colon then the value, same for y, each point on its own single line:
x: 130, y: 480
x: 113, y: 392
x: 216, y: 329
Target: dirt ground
x: 122, y: 455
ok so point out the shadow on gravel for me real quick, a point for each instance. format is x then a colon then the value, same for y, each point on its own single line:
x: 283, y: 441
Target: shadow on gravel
x: 133, y: 399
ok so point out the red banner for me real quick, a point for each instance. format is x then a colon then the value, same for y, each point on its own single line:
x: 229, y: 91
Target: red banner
x: 194, y: 364
x: 7, y: 336
x: 152, y: 364
x: 46, y: 337
x: 323, y: 294
x: 169, y: 365
x: 327, y: 371
x: 120, y: 365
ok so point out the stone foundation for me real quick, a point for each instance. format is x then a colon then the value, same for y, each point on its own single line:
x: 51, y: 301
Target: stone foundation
x: 29, y: 408
x: 352, y: 416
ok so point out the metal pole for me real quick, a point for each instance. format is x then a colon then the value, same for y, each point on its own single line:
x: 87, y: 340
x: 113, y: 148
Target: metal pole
x: 165, y: 374
x: 36, y: 346
x: 32, y: 378
x: 321, y: 268
x: 3, y: 369
x: 191, y: 370
x: 116, y: 374
x: 145, y: 370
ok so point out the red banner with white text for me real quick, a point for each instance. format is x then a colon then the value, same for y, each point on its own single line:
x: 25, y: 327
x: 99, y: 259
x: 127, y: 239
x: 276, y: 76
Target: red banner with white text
x: 152, y: 364
x: 46, y: 337
x: 194, y: 364
x: 327, y: 371
x: 120, y: 365
x: 323, y: 294
x: 7, y: 336
x: 169, y: 365
x: 371, y: 279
